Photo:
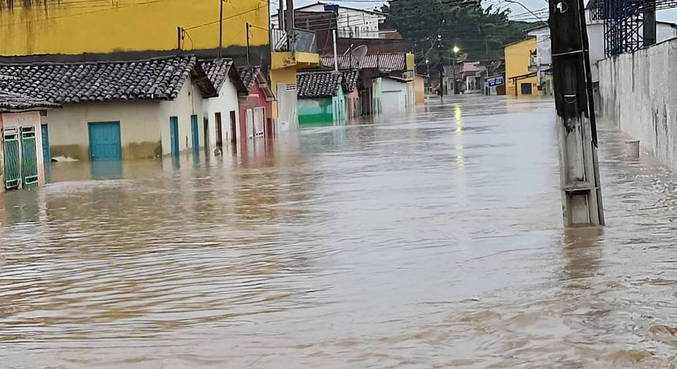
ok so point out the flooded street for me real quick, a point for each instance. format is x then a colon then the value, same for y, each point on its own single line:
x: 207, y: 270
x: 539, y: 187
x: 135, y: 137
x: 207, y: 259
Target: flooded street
x: 427, y: 240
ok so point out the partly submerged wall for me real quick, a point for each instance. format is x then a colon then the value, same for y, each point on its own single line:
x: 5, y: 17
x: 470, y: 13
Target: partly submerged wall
x: 637, y: 94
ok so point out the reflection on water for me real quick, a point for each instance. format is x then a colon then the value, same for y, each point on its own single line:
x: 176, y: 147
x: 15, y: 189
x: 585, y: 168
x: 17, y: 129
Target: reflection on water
x: 430, y: 239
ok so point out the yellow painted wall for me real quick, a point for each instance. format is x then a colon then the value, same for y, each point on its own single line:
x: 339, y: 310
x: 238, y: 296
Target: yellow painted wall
x: 419, y: 85
x: 103, y: 26
x: 517, y: 63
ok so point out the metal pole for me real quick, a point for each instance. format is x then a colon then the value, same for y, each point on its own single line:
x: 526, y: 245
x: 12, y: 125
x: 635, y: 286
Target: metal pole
x: 280, y: 15
x: 441, y: 67
x: 336, y: 68
x: 247, y: 26
x: 178, y: 38
x: 220, y: 26
x: 649, y: 24
x: 579, y: 169
x: 289, y: 25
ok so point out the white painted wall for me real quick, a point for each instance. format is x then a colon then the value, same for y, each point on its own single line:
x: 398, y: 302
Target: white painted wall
x: 394, y: 96
x: 224, y: 104
x: 188, y: 102
x: 638, y: 94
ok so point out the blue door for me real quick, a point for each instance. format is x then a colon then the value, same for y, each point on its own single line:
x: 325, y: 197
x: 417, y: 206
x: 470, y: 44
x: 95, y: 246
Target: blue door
x: 104, y: 141
x: 46, y: 154
x: 174, y: 135
x: 195, y: 132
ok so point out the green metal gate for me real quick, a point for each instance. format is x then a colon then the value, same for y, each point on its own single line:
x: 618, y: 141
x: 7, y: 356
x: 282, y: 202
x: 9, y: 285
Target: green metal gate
x: 21, y: 159
x: 29, y: 157
x: 12, y: 151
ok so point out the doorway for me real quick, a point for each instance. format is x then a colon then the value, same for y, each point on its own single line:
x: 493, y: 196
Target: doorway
x: 526, y: 88
x: 233, y: 127
x: 205, y: 129
x: 174, y: 135
x: 219, y: 131
x: 104, y: 141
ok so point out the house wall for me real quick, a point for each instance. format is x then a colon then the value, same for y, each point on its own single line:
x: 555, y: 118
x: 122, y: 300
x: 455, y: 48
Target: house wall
x: 316, y: 111
x: 353, y: 104
x: 517, y: 63
x: 638, y: 94
x: 419, y: 86
x: 339, y: 106
x: 27, y: 119
x: 144, y: 125
x: 2, y: 159
x: 139, y: 128
x: 56, y: 26
x: 377, y: 96
x: 188, y: 102
x: 226, y: 102
x: 394, y: 96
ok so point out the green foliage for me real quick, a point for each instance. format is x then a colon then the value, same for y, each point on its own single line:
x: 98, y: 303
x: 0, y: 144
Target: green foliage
x: 479, y: 32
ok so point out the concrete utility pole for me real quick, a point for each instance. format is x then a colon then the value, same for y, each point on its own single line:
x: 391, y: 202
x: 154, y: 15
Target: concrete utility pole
x: 579, y: 168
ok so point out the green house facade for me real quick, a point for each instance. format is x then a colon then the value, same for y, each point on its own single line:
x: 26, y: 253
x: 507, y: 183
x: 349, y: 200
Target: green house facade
x: 322, y: 96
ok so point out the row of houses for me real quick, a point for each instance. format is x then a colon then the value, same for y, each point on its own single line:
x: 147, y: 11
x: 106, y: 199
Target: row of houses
x: 126, y: 98
x: 124, y: 110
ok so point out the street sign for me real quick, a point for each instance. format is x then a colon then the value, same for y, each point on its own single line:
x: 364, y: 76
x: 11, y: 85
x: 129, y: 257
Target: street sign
x: 495, y: 81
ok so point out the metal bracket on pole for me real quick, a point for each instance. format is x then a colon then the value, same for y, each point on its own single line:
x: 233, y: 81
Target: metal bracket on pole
x: 577, y: 131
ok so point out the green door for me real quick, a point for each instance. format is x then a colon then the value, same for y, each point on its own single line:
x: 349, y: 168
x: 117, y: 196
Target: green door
x: 12, y: 160
x: 195, y: 132
x: 104, y: 141
x: 174, y: 135
x: 46, y: 154
x: 29, y: 156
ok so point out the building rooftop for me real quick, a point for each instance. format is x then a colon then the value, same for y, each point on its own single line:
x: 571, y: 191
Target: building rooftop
x: 383, y: 62
x: 147, y: 79
x: 11, y: 102
x: 220, y: 70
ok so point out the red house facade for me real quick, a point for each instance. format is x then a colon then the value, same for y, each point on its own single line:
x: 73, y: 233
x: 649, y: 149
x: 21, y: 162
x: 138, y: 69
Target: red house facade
x: 256, y: 108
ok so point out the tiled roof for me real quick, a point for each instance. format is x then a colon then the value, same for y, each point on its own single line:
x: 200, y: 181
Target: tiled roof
x: 248, y: 76
x: 219, y: 70
x: 318, y: 84
x: 384, y: 62
x: 11, y: 102
x: 148, y: 79
x: 349, y: 81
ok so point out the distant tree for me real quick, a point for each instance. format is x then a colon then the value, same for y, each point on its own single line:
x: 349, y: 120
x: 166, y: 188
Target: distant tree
x: 481, y: 33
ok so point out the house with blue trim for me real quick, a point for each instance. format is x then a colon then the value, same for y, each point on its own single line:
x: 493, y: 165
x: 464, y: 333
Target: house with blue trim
x: 122, y: 110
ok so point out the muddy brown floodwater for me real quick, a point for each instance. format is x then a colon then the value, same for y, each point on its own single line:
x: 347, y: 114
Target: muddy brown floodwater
x: 427, y: 240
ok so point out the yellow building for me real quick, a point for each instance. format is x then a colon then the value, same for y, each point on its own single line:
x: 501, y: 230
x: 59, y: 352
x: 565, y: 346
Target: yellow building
x: 114, y: 26
x: 519, y: 79
x: 286, y: 60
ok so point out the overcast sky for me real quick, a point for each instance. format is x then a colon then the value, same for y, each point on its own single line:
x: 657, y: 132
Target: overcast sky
x: 537, y: 6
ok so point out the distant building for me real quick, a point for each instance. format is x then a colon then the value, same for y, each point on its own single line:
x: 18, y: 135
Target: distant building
x: 256, y: 118
x: 372, y: 70
x: 21, y: 144
x: 519, y: 79
x: 541, y: 62
x: 352, y: 22
x: 323, y: 96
